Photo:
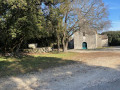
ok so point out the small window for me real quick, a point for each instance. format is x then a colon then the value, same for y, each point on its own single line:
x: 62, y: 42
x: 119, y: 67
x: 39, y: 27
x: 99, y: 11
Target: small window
x: 83, y: 33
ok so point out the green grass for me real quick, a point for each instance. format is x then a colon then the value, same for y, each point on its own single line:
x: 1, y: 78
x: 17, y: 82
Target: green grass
x: 15, y: 66
x: 103, y: 47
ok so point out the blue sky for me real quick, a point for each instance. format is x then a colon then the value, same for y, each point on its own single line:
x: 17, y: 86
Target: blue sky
x: 114, y: 13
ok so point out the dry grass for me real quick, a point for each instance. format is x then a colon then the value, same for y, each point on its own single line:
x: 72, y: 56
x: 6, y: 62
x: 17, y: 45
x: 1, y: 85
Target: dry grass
x: 39, y: 62
x: 34, y: 62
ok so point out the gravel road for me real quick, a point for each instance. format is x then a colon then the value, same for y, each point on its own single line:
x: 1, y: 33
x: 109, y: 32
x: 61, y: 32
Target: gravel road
x: 114, y: 85
x: 89, y: 74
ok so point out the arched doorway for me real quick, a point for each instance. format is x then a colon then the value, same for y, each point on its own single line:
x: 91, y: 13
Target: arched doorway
x: 84, y: 45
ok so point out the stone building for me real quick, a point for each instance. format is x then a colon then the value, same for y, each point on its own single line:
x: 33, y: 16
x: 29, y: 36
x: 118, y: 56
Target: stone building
x: 89, y: 39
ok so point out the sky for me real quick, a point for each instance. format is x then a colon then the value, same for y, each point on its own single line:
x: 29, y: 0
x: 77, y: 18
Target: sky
x: 114, y: 14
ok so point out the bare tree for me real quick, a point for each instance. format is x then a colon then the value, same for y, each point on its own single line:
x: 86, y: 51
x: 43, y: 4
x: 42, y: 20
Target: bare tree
x: 78, y: 13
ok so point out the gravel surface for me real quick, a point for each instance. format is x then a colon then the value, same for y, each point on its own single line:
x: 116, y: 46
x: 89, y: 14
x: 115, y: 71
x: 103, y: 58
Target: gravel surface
x: 114, y: 85
x: 81, y: 76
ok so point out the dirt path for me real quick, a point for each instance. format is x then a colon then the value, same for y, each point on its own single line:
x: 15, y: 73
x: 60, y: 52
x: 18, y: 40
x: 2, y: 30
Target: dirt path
x: 94, y: 68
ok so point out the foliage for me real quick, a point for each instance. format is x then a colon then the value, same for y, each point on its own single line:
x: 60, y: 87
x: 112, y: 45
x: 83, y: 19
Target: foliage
x: 113, y: 37
x: 20, y: 20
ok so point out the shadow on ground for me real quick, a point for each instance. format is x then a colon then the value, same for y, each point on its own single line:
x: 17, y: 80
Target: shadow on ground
x: 75, y: 75
x: 28, y: 64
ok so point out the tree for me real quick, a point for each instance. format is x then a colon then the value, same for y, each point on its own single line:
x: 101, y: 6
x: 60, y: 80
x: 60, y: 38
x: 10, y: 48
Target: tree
x: 54, y: 20
x: 57, y: 25
x: 80, y: 13
x: 20, y: 20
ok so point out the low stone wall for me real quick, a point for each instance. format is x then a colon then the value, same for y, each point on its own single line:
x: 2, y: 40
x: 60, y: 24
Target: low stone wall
x: 38, y: 50
x: 32, y: 46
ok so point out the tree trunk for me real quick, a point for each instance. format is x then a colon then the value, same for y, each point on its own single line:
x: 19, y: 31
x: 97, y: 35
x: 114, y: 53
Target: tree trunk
x: 5, y: 48
x: 18, y: 47
x: 58, y: 44
x: 65, y: 45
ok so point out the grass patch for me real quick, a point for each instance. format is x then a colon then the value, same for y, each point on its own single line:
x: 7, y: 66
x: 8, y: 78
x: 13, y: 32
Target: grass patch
x: 14, y: 66
x: 103, y: 47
